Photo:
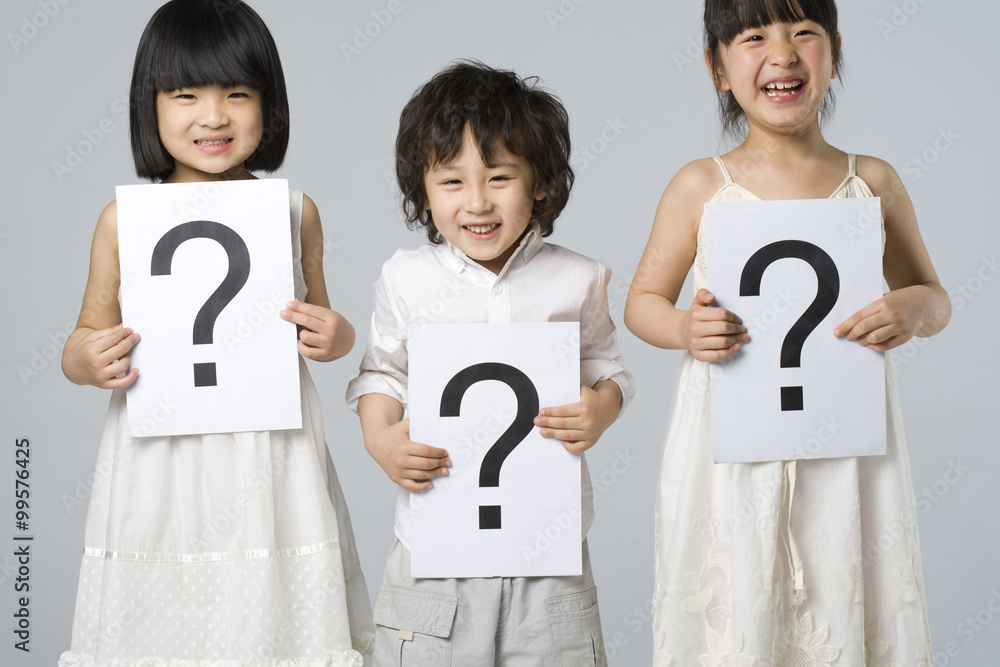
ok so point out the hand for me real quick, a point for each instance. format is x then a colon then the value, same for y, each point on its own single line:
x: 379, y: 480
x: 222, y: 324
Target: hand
x: 580, y: 425
x: 713, y: 333
x: 322, y: 336
x: 407, y: 463
x: 887, y: 322
x: 100, y: 356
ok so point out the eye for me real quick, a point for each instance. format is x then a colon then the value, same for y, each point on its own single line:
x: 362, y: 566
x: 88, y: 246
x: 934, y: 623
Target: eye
x: 500, y: 178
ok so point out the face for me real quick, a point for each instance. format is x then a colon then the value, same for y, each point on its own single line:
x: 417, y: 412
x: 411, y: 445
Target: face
x: 482, y: 210
x: 210, y: 131
x: 779, y: 74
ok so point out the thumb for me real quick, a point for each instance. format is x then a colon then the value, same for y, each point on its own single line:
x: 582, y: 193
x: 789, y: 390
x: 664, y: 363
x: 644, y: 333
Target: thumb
x: 704, y: 297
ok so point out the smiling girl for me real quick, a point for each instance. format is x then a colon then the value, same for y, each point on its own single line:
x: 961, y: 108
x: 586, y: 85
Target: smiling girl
x: 227, y: 549
x: 741, y: 578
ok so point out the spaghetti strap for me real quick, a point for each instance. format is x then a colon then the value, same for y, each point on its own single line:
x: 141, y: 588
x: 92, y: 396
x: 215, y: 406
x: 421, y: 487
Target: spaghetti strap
x: 852, y: 163
x: 725, y: 172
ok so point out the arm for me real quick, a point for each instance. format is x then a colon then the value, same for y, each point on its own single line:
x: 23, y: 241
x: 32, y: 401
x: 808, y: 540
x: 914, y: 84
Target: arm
x: 651, y: 313
x: 387, y: 438
x: 607, y: 386
x: 916, y: 304
x: 96, y: 352
x: 324, y: 334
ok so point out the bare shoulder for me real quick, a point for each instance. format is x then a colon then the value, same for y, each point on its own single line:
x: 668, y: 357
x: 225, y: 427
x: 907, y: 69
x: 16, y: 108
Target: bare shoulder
x: 880, y: 176
x: 109, y: 217
x: 310, y: 212
x: 698, y: 180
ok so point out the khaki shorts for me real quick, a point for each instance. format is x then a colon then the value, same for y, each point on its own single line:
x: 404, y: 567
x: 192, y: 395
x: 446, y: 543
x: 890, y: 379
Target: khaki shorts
x: 514, y: 622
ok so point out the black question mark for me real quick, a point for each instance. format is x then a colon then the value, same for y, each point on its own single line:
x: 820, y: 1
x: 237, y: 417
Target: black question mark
x: 827, y: 291
x: 236, y: 278
x: 524, y: 421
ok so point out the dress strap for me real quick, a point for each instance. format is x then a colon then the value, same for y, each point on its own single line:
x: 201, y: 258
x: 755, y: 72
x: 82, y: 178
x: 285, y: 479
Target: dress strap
x: 852, y: 164
x: 725, y: 172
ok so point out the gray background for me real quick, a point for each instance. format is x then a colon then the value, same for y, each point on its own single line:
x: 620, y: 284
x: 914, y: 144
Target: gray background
x: 913, y: 70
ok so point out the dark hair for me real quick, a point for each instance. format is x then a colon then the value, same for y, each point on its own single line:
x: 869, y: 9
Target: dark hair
x: 504, y: 112
x: 190, y: 43
x: 725, y: 19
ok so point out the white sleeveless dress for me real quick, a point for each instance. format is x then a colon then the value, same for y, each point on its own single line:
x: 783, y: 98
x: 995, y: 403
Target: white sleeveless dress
x: 729, y: 552
x: 221, y: 550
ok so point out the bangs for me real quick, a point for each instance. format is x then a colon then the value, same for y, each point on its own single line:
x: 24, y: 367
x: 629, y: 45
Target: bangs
x: 203, y: 51
x: 725, y: 24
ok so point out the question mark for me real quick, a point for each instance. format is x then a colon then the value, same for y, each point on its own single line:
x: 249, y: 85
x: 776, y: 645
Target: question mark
x: 236, y: 278
x: 827, y: 291
x: 527, y: 408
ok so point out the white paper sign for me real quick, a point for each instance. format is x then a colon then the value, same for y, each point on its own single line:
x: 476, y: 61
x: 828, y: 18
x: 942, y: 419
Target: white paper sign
x: 794, y: 270
x: 511, y: 504
x: 206, y: 268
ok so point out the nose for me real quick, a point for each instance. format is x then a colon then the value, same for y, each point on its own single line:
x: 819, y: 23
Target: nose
x: 476, y: 200
x: 214, y: 113
x: 782, y: 52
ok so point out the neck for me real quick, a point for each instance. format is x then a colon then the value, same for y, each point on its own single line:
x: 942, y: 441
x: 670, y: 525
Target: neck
x: 785, y: 146
x: 184, y: 174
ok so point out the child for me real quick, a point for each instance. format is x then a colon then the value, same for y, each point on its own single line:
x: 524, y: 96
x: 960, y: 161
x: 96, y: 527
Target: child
x: 232, y: 548
x: 482, y: 159
x: 741, y: 577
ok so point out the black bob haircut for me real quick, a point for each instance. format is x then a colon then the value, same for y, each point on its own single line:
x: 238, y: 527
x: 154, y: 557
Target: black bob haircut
x: 504, y: 112
x: 192, y: 43
x: 725, y: 19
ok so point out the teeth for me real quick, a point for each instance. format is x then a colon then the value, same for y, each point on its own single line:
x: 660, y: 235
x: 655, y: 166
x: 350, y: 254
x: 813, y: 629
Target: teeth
x: 217, y: 142
x: 481, y: 229
x: 783, y: 86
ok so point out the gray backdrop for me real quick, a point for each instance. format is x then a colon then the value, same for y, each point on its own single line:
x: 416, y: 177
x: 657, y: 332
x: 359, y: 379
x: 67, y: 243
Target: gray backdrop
x: 920, y: 92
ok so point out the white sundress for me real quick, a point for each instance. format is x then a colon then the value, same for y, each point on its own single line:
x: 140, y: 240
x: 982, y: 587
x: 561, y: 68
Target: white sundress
x: 728, y: 551
x: 220, y: 550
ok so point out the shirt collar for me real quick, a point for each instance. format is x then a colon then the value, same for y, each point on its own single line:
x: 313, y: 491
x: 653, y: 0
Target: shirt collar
x: 529, y: 246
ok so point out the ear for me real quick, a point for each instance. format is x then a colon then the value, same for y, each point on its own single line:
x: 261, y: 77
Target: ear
x: 540, y: 193
x: 840, y: 42
x: 718, y: 78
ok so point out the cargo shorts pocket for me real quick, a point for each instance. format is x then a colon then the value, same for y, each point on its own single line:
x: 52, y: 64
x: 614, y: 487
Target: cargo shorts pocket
x: 575, y: 629
x: 413, y: 627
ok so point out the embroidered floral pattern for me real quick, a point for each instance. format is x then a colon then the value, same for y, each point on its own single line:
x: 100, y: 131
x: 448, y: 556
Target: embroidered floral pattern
x: 804, y: 647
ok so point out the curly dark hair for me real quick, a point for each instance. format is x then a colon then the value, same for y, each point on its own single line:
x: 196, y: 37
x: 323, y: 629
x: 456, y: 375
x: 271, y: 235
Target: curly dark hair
x: 504, y: 112
x: 724, y: 19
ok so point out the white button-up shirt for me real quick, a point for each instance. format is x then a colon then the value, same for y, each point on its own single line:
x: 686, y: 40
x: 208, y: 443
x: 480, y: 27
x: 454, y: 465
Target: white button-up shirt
x: 439, y: 284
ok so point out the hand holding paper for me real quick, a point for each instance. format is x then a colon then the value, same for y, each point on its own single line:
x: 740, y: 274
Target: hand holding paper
x: 324, y: 335
x: 410, y: 464
x: 890, y: 321
x: 580, y: 425
x: 100, y: 357
x: 714, y: 333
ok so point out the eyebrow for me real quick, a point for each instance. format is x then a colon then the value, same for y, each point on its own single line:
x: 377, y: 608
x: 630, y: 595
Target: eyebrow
x: 451, y: 166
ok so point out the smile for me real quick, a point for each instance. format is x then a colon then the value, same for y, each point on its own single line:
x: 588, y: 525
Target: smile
x: 783, y: 89
x: 213, y: 142
x: 481, y: 229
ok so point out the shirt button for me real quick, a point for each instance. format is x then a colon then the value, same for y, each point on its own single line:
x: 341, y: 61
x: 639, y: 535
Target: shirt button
x: 498, y: 289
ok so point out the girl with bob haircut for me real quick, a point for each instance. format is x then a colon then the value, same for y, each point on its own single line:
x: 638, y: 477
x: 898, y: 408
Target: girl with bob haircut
x: 742, y: 578
x: 227, y: 548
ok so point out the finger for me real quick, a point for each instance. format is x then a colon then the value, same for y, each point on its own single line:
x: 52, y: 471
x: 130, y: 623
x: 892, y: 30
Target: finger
x: 715, y: 355
x: 303, y: 319
x: 847, y: 326
x: 312, y: 338
x: 577, y: 446
x: 720, y: 342
x: 704, y: 297
x: 123, y: 381
x: 425, y: 465
x: 310, y: 352
x: 426, y: 451
x: 121, y: 348
x: 568, y: 410
x: 564, y: 434
x: 412, y: 485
